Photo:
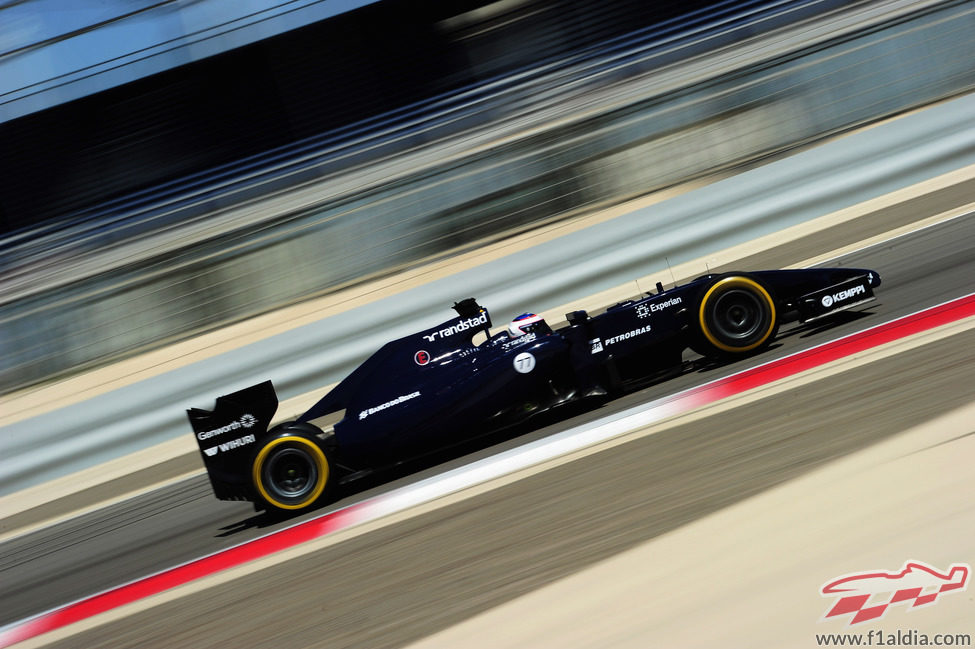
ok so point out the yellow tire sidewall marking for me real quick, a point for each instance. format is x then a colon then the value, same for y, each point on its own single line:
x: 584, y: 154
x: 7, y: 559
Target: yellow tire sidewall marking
x: 730, y: 282
x: 316, y: 453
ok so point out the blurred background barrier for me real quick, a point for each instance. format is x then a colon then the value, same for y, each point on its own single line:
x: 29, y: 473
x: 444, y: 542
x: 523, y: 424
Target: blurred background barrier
x: 373, y: 69
x: 65, y: 246
x: 764, y: 200
x: 684, y: 121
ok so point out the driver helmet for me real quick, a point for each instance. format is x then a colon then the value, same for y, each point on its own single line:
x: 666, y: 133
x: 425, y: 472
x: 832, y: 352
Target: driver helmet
x: 528, y: 323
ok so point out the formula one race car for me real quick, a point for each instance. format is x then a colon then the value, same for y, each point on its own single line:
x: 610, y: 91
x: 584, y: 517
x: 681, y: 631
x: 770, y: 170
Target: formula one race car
x: 437, y: 388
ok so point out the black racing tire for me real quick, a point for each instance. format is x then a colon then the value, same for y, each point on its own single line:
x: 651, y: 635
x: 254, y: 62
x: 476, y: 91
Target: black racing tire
x: 292, y: 471
x: 736, y: 315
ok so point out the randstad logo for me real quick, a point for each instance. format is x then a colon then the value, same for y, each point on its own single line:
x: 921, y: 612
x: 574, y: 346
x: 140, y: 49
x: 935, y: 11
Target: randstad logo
x: 868, y: 595
x: 457, y: 327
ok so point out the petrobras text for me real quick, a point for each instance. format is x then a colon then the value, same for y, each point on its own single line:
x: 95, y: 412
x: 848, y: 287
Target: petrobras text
x: 627, y: 335
x: 398, y: 400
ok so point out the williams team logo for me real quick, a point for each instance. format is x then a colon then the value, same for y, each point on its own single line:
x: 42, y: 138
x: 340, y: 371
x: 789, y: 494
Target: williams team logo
x: 867, y: 595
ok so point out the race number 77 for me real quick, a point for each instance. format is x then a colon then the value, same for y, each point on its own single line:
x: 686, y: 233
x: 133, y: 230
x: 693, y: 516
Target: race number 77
x: 524, y: 363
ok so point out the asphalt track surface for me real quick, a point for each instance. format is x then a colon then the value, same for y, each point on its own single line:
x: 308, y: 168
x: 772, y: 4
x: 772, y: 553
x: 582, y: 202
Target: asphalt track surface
x: 416, y: 577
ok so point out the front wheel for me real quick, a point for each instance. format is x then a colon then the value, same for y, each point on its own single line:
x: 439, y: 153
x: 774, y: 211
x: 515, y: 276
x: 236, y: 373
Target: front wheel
x: 736, y: 315
x: 291, y: 472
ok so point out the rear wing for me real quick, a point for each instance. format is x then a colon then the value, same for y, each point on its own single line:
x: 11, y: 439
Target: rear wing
x: 227, y: 434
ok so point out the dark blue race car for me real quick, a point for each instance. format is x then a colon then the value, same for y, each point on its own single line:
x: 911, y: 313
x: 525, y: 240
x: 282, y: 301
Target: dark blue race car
x: 438, y: 388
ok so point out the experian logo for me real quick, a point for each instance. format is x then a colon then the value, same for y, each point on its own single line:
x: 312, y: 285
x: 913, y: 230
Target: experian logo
x: 459, y: 326
x: 828, y: 300
x: 644, y: 310
x: 660, y: 306
x: 245, y: 421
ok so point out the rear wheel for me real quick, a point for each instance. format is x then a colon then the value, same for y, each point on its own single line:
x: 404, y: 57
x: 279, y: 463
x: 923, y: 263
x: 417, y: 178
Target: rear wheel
x: 736, y: 315
x: 291, y: 472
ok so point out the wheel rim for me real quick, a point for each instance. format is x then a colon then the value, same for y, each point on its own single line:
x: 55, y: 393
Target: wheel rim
x: 290, y: 474
x: 738, y: 315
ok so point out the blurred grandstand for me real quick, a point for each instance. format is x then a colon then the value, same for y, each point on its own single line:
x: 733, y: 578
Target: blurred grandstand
x: 288, y: 166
